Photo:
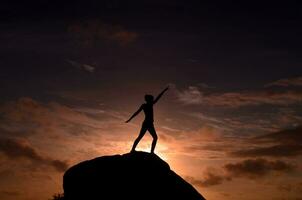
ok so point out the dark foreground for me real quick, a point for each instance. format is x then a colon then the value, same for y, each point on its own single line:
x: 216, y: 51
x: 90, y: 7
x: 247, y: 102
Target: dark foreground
x: 135, y: 176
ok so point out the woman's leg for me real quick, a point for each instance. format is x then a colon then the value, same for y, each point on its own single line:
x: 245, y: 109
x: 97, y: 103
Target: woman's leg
x: 152, y: 131
x: 140, y: 136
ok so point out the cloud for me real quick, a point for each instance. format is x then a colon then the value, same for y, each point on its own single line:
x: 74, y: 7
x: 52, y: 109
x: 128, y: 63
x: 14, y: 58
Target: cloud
x: 250, y: 169
x: 205, y: 86
x: 256, y: 168
x: 121, y: 36
x: 216, y: 122
x: 80, y: 132
x: 195, y: 96
x: 272, y: 151
x: 290, y: 187
x: 84, y: 67
x: 192, y: 96
x: 26, y: 116
x: 9, y: 193
x: 209, y: 142
x: 53, y: 133
x: 17, y: 148
x: 285, y: 187
x: 90, y: 32
x: 286, y: 143
x: 287, y: 136
x: 286, y: 82
x: 210, y: 179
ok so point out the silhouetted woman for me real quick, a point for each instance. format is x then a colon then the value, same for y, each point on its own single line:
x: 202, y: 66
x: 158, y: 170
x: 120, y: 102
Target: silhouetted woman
x: 148, y: 122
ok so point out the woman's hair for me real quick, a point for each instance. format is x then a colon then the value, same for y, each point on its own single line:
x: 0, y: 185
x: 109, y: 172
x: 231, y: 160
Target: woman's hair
x: 149, y: 98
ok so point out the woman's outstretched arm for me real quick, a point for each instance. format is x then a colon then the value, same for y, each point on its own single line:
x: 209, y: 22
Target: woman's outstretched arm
x: 160, y: 94
x: 134, y: 114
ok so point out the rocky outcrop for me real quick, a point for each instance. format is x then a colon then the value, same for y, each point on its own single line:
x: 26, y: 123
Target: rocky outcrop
x: 133, y: 176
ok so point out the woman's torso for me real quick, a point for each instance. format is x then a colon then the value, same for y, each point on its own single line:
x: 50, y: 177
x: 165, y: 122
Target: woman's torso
x: 148, y: 110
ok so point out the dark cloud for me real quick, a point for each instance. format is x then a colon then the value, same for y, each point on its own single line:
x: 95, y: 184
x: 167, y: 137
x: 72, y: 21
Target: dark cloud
x: 88, y: 33
x: 210, y: 179
x: 10, y: 193
x: 288, y: 198
x: 287, y: 136
x: 250, y: 168
x: 17, y: 148
x: 7, y: 174
x: 257, y: 168
x: 59, y: 165
x: 286, y: 143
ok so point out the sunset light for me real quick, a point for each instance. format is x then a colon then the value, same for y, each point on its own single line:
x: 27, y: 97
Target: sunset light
x: 150, y: 98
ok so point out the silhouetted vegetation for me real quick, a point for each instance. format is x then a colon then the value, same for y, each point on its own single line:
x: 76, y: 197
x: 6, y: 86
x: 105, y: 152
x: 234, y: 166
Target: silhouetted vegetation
x: 57, y: 197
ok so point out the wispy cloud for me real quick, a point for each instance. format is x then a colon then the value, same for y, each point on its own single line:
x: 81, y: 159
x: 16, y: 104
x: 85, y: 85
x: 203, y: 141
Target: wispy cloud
x: 192, y: 95
x: 272, y: 151
x: 206, y: 142
x: 196, y: 96
x: 31, y: 117
x: 286, y: 82
x: 285, y: 143
x: 60, y: 126
x: 85, y: 67
x: 290, y: 187
x: 287, y: 136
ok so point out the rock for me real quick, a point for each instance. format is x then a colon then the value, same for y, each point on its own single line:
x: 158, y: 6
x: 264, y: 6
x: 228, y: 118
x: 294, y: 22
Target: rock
x: 133, y: 176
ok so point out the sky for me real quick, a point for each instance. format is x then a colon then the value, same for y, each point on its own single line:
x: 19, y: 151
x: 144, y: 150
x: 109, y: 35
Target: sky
x: 73, y: 72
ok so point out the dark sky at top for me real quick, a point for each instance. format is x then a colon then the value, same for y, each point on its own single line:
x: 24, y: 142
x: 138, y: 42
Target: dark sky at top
x: 227, y: 44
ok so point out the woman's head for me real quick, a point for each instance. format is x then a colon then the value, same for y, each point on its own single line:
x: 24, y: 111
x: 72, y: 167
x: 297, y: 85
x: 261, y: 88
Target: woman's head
x: 149, y: 98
